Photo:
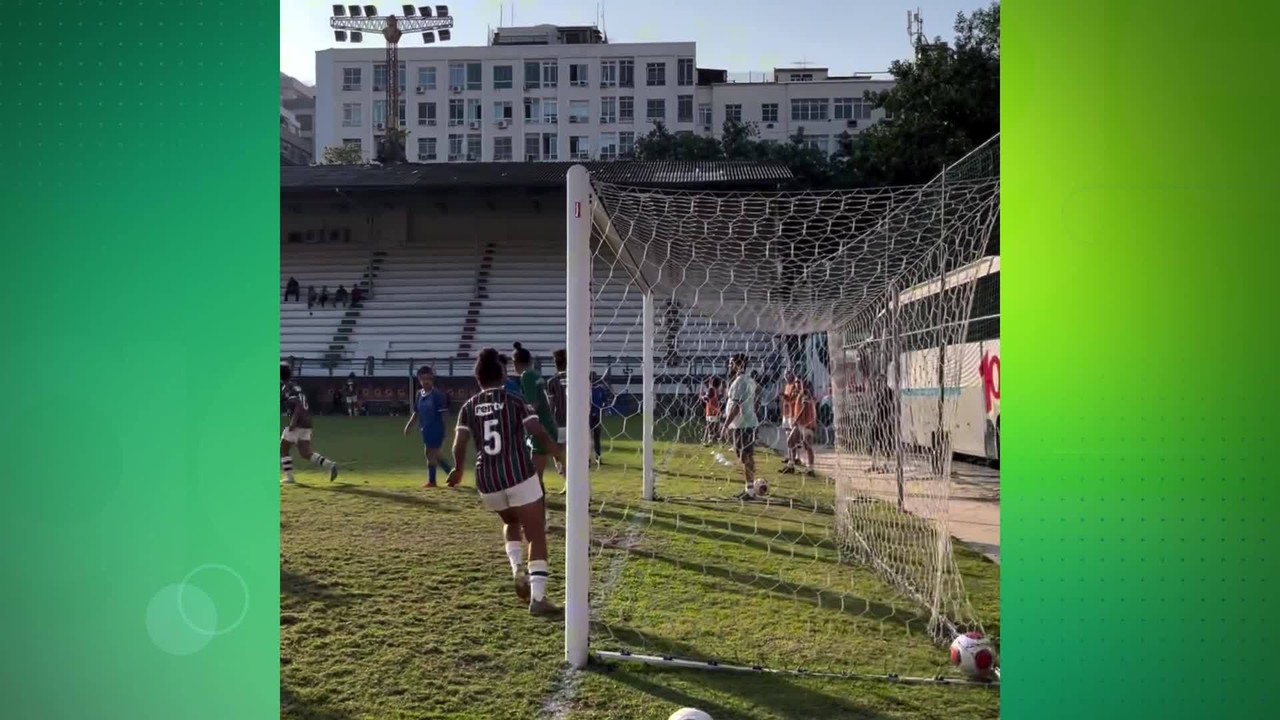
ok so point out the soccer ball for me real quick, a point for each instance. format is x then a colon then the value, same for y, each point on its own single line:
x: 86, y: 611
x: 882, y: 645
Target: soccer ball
x: 760, y: 488
x: 973, y: 654
x: 689, y: 714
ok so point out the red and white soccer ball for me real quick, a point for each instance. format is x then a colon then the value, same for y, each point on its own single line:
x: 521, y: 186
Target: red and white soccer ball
x: 689, y: 714
x: 760, y: 488
x: 973, y: 655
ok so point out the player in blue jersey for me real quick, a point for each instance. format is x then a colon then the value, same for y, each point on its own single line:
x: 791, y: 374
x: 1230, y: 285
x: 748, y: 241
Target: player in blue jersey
x: 601, y: 399
x: 429, y: 408
x: 511, y: 384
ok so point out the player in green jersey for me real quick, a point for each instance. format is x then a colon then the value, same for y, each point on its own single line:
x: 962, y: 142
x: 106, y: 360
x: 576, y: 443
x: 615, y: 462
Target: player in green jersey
x: 534, y: 390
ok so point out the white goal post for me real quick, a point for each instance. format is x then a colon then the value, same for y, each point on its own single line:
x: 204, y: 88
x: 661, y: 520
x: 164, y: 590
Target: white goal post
x: 862, y: 298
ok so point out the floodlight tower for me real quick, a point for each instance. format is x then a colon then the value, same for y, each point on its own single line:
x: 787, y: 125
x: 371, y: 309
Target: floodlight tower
x: 351, y: 22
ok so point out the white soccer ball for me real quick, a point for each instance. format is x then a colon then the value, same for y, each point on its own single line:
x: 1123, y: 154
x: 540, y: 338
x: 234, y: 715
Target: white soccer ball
x: 689, y: 714
x: 973, y: 654
x: 760, y: 487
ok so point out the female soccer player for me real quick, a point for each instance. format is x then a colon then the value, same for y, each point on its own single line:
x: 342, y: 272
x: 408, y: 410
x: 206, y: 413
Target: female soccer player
x: 557, y: 392
x: 711, y: 410
x: 429, y: 408
x: 534, y: 391
x: 791, y: 392
x: 806, y: 422
x: 498, y: 423
x: 298, y: 431
x: 351, y: 395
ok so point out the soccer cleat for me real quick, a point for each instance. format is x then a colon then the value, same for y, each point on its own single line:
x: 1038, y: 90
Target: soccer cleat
x: 522, y: 587
x: 543, y: 608
x: 287, y: 481
x: 788, y: 469
x: 430, y: 485
x: 333, y: 472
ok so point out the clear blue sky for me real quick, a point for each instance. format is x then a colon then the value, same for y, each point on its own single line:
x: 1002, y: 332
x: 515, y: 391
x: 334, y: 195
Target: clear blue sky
x: 738, y: 36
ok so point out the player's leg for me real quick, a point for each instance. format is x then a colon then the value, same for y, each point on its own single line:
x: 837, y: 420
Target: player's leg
x: 597, y: 429
x: 320, y: 461
x: 533, y: 521
x: 806, y: 440
x: 744, y: 445
x: 513, y: 544
x: 286, y: 458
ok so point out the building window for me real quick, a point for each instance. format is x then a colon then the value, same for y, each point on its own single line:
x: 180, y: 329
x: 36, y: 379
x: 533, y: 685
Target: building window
x: 426, y: 149
x: 809, y: 109
x: 861, y: 109
x: 801, y: 77
x: 474, y: 141
x: 351, y: 78
x: 503, y: 77
x: 379, y: 114
x: 626, y: 109
x: 579, y: 147
x: 379, y: 77
x: 608, y: 109
x: 305, y: 123
x: 427, y: 78
x: 684, y: 71
x: 457, y: 76
x: 351, y: 113
x: 457, y: 113
x: 455, y: 147
x: 532, y: 147
x: 626, y: 145
x: 578, y: 74
x: 475, y: 76
x: 656, y: 110
x: 733, y: 113
x: 580, y: 111
x: 626, y: 73
x: 608, y: 146
x: 769, y: 112
x: 473, y: 110
x: 704, y: 113
x: 502, y: 149
x: 550, y: 73
x: 401, y: 113
x: 817, y: 142
x: 502, y: 110
x: 655, y: 74
x: 550, y: 146
x: 842, y: 108
x: 609, y: 73
x: 549, y: 114
x: 532, y: 74
x: 352, y: 142
x: 426, y: 113
x: 684, y: 109
x: 532, y: 110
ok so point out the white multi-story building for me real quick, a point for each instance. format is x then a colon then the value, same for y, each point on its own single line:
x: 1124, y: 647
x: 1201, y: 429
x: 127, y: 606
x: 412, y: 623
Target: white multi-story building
x: 565, y: 93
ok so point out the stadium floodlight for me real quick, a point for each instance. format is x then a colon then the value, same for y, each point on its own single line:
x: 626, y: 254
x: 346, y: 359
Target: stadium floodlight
x: 371, y: 11
x: 867, y: 297
x: 428, y: 37
x: 340, y: 35
x: 339, y: 10
x: 407, y: 10
x: 424, y: 10
x: 357, y: 36
x: 442, y: 11
x: 354, y: 10
x: 445, y: 35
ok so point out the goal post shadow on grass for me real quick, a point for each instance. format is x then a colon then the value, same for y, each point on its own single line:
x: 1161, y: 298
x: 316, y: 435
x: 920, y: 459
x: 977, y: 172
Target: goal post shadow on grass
x: 839, y: 286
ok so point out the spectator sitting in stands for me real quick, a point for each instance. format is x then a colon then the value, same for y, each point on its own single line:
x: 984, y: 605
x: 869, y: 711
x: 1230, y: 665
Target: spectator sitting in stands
x: 324, y: 296
x: 311, y: 296
x: 340, y: 297
x: 357, y: 294
x: 291, y: 288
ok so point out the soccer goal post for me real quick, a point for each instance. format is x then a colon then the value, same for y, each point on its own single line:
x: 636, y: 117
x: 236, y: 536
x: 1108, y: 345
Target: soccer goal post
x: 848, y: 313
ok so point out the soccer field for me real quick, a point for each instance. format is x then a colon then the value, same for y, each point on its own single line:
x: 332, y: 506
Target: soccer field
x: 396, y: 601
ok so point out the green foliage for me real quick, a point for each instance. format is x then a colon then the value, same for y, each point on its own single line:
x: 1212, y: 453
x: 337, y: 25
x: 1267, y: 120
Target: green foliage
x: 342, y: 155
x: 945, y: 102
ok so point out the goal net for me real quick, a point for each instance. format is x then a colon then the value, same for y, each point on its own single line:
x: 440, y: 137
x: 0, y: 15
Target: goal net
x: 835, y: 556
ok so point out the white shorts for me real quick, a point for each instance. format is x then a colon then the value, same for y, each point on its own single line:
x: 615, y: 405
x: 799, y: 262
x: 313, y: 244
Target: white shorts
x: 788, y: 424
x: 713, y: 418
x: 529, y: 491
x: 296, y: 435
x: 806, y: 434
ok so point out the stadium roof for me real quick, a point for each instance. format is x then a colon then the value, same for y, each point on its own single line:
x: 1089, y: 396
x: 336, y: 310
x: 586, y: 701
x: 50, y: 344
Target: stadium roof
x: 531, y: 175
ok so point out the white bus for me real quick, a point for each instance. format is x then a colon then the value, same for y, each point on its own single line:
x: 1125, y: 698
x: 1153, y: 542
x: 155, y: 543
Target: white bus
x: 971, y: 411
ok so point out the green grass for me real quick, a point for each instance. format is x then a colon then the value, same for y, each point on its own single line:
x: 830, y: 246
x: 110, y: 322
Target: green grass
x: 396, y: 601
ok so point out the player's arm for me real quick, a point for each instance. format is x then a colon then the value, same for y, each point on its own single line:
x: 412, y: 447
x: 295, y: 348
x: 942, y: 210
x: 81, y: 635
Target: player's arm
x: 533, y: 426
x: 298, y: 411
x: 412, y: 416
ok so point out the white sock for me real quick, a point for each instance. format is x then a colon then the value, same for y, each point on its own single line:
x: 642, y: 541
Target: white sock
x: 322, y: 461
x: 515, y: 553
x: 538, y: 579
x: 286, y: 465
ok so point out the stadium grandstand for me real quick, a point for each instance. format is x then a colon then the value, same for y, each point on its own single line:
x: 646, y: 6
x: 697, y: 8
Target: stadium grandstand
x: 453, y: 258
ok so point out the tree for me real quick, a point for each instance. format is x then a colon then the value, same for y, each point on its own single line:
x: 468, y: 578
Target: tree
x: 344, y: 154
x: 944, y: 103
x: 391, y: 149
x: 660, y: 144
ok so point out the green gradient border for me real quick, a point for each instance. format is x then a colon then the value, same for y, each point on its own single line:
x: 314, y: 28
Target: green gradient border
x: 140, y: 326
x: 1139, y: 209
x: 140, y: 253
